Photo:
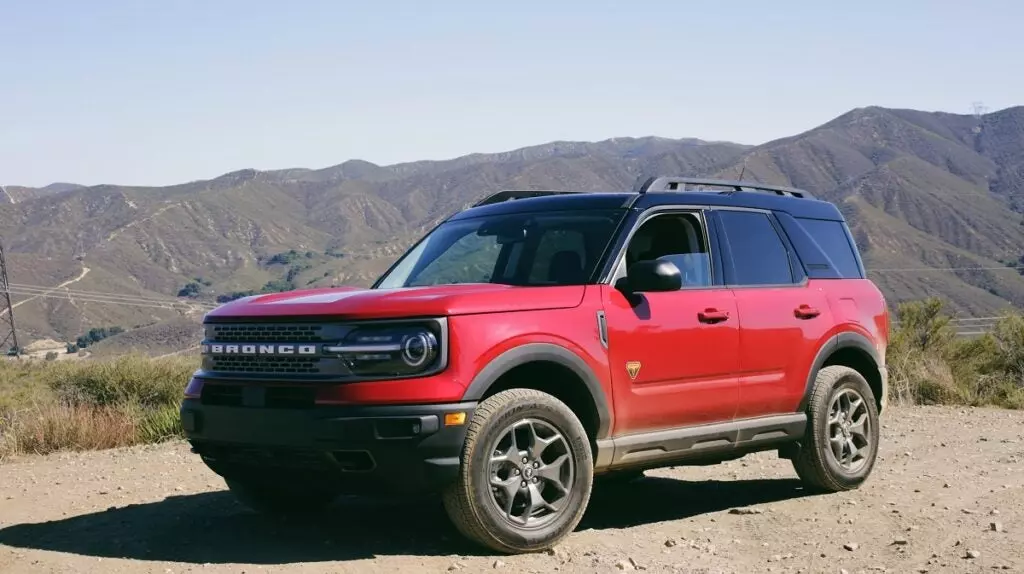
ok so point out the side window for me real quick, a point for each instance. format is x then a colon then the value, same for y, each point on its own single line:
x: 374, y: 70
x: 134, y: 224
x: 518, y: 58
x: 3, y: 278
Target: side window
x: 560, y: 258
x: 675, y: 237
x: 832, y: 238
x: 758, y: 254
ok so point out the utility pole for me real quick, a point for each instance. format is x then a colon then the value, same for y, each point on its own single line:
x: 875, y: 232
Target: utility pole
x: 8, y: 332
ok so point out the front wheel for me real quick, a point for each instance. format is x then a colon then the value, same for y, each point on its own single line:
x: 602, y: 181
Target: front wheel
x: 839, y: 448
x: 526, y: 473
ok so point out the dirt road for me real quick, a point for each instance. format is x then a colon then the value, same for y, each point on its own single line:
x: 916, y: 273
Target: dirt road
x: 947, y: 496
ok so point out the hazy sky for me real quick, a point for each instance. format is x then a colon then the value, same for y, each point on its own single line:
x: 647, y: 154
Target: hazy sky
x: 148, y: 92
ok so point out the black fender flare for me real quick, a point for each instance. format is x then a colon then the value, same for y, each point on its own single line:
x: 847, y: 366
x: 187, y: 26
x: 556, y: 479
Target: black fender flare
x: 843, y: 340
x: 546, y: 352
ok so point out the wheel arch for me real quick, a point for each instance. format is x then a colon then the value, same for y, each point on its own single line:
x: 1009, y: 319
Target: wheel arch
x: 854, y: 350
x: 553, y: 369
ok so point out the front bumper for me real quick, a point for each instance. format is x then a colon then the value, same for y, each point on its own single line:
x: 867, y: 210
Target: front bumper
x: 356, y: 449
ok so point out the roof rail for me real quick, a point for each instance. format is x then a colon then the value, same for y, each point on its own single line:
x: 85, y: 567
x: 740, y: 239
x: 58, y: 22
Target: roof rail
x: 671, y: 183
x: 511, y: 194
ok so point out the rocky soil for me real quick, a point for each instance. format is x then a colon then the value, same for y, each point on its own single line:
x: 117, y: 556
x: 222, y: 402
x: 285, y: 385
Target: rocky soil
x: 947, y: 495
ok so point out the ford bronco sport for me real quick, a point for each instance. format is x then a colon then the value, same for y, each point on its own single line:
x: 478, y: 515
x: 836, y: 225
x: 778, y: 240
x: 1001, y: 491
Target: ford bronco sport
x: 538, y: 340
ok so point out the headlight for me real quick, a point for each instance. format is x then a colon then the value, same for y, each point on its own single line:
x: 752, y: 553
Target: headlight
x: 392, y: 350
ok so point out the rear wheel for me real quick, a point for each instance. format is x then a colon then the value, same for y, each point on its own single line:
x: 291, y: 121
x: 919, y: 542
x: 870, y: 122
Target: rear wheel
x: 526, y: 473
x: 280, y: 499
x: 839, y: 448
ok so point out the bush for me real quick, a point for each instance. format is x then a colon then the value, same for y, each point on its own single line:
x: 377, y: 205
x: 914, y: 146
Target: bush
x: 190, y: 290
x: 928, y: 364
x: 130, y: 379
x: 82, y: 405
x: 226, y: 298
x: 97, y: 334
x: 283, y: 258
x: 918, y: 372
x: 55, y: 428
x: 51, y: 355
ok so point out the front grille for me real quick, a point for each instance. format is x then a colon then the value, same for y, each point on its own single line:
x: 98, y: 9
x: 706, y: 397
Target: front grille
x: 258, y: 396
x: 265, y: 333
x: 221, y: 395
x: 247, y: 359
x: 265, y: 364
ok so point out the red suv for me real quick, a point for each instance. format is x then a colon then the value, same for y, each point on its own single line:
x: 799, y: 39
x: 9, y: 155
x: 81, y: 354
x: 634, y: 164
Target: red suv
x: 538, y: 340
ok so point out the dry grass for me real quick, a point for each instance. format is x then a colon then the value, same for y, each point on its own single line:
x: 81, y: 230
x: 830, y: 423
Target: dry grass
x: 47, y: 407
x: 65, y: 427
x: 928, y: 364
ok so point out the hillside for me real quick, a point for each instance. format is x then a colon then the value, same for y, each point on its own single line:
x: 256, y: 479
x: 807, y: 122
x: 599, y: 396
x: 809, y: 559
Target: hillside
x: 934, y: 200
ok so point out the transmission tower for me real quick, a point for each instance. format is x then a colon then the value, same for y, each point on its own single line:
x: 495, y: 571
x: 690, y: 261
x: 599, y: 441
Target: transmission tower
x: 8, y: 332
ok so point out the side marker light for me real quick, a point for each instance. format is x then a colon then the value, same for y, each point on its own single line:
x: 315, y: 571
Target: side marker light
x: 454, y: 419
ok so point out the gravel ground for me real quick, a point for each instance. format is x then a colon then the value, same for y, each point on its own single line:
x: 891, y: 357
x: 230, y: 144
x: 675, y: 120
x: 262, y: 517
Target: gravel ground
x: 946, y: 496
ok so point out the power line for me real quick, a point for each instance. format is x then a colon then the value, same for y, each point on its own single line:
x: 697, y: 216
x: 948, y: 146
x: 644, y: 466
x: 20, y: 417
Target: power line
x: 107, y: 300
x: 84, y: 293
x: 9, y: 332
x: 915, y: 269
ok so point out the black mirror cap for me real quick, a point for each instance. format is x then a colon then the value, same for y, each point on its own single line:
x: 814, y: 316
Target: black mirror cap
x: 654, y: 275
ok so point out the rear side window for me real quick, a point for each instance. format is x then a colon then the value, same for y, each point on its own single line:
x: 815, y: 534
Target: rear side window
x: 834, y: 241
x: 758, y: 255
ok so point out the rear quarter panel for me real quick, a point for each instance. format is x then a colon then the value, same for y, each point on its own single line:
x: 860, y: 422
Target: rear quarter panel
x: 859, y: 306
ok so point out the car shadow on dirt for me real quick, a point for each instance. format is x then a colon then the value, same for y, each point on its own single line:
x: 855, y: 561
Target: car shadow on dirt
x: 212, y: 528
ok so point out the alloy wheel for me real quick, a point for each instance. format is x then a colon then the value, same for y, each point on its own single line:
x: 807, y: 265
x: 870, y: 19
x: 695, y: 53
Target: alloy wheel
x: 849, y: 428
x: 531, y: 472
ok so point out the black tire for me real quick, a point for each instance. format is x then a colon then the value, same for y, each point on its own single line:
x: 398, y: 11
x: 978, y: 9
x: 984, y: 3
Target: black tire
x: 280, y: 499
x: 474, y: 508
x: 816, y: 463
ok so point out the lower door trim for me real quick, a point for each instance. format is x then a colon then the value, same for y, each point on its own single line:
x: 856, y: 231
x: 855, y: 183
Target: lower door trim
x: 698, y: 441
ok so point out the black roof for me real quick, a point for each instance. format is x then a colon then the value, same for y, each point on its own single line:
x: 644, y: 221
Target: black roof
x: 539, y: 201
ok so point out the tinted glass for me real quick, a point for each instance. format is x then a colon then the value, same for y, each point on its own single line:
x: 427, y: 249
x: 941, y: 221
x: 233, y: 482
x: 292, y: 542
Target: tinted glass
x: 758, y: 254
x: 567, y: 244
x: 534, y: 249
x: 832, y: 238
x: 677, y: 237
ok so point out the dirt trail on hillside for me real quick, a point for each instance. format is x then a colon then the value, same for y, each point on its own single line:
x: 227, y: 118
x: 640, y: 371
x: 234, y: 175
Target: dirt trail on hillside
x: 85, y: 271
x: 947, y: 496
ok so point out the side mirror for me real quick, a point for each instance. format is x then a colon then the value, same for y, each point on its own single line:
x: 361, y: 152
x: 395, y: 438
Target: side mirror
x: 656, y: 275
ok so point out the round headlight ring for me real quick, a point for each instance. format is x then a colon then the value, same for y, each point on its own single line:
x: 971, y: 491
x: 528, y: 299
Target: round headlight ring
x: 419, y: 349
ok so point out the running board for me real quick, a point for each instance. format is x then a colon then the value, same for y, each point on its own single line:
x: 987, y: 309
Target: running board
x: 699, y: 441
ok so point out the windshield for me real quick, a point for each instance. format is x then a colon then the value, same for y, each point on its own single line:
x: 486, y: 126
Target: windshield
x: 530, y: 249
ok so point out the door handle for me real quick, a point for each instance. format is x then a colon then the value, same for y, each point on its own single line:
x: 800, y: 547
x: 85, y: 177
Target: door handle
x: 806, y: 312
x: 712, y: 315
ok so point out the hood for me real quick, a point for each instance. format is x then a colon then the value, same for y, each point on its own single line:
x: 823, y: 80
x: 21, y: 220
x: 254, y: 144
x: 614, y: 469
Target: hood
x: 359, y: 303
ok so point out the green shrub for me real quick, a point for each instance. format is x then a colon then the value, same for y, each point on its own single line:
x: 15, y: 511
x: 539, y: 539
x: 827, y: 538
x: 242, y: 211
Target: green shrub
x: 97, y: 334
x: 928, y: 364
x: 85, y: 404
x: 131, y: 379
x: 160, y: 424
x: 191, y: 289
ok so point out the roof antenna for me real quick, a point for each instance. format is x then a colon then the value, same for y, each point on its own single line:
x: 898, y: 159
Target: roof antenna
x: 743, y: 170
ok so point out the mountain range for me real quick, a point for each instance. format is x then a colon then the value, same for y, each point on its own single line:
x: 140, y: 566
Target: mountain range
x: 935, y: 201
